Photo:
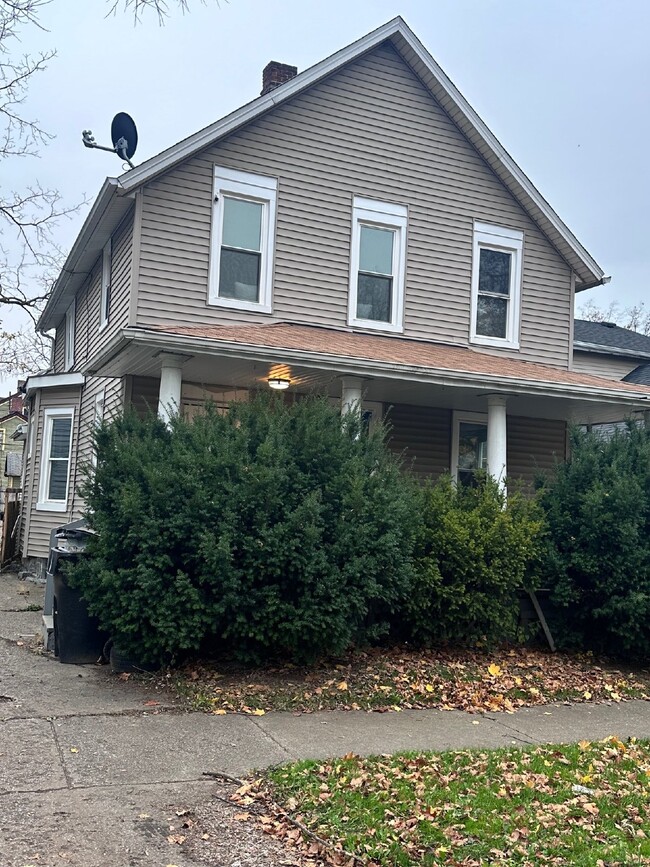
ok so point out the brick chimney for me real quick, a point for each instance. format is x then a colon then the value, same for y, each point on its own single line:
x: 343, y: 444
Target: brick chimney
x: 274, y: 74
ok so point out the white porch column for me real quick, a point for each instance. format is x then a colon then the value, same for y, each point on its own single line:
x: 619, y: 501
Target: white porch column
x: 351, y: 394
x: 497, y: 439
x: 171, y: 378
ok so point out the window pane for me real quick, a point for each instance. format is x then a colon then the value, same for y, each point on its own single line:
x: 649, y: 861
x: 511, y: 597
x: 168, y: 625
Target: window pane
x: 61, y: 429
x: 494, y: 272
x: 58, y: 480
x: 373, y: 297
x: 239, y: 275
x: 242, y: 224
x: 472, y: 446
x: 491, y: 316
x: 376, y: 252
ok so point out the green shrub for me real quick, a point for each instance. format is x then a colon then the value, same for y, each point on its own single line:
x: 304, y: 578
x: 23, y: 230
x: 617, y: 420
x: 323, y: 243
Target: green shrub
x: 598, y: 559
x: 267, y: 529
x: 475, y: 553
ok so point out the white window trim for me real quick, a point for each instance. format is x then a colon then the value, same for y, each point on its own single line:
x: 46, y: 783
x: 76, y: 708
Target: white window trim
x: 507, y: 241
x: 69, y: 336
x: 98, y: 418
x: 107, y: 263
x: 254, y: 188
x: 43, y: 504
x: 386, y: 216
x: 457, y: 418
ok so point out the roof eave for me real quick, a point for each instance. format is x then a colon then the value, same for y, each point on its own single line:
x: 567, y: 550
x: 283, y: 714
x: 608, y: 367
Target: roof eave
x: 106, y: 213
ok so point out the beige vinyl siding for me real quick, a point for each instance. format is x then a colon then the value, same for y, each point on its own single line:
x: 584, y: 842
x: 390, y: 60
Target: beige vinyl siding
x: 39, y: 524
x: 59, y: 349
x: 88, y: 337
x: 609, y: 366
x: 535, y: 446
x: 371, y: 130
x: 113, y: 402
x: 422, y: 436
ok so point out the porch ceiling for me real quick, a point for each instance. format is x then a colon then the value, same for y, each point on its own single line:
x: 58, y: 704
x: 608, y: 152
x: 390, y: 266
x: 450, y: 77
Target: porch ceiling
x: 410, y: 372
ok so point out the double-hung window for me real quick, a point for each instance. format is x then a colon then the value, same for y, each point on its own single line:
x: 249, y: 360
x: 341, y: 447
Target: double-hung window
x: 496, y: 286
x: 55, y: 459
x: 69, y: 337
x: 105, y: 295
x: 468, y: 447
x: 243, y: 232
x: 377, y: 265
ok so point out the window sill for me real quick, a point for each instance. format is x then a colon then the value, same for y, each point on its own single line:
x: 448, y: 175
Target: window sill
x: 235, y: 304
x: 496, y: 342
x: 103, y: 325
x: 373, y: 325
x: 52, y: 507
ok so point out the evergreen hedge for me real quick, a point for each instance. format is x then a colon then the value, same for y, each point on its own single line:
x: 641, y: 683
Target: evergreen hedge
x: 598, y: 555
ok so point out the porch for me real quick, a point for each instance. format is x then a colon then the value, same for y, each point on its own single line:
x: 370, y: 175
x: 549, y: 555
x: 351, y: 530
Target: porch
x: 449, y: 408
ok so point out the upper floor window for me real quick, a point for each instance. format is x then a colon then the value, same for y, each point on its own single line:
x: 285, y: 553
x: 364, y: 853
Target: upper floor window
x: 55, y: 459
x: 377, y: 265
x: 105, y: 296
x: 496, y: 285
x: 69, y: 337
x: 243, y: 232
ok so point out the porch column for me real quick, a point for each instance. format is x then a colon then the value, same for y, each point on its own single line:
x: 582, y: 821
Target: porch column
x: 171, y: 378
x: 351, y: 394
x: 497, y: 439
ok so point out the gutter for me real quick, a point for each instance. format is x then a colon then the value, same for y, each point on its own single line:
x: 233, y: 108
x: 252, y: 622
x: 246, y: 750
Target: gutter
x: 611, y: 350
x: 362, y: 367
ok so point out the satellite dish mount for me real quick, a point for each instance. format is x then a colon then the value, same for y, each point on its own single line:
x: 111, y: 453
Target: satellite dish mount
x: 124, y: 136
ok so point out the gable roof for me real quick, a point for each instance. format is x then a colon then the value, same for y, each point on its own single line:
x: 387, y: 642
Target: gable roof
x: 408, y: 46
x: 640, y: 375
x: 608, y: 338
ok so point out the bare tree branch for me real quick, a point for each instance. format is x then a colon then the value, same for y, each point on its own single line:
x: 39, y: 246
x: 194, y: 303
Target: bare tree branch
x: 636, y: 317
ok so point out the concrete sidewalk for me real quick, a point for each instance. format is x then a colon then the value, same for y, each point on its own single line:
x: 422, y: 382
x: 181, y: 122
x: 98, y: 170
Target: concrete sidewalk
x: 84, y: 756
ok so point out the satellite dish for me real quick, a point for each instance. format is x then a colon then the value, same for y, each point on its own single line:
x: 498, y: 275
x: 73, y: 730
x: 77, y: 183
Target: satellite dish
x: 124, y: 136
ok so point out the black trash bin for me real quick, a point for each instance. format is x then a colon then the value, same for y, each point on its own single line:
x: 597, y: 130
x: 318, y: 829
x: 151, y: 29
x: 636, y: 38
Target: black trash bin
x: 77, y: 636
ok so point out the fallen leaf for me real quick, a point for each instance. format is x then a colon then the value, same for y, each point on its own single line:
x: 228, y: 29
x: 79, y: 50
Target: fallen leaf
x: 494, y: 670
x: 258, y: 712
x: 74, y: 750
x: 151, y: 703
x: 176, y: 839
x: 342, y: 686
x: 219, y: 712
x: 242, y: 817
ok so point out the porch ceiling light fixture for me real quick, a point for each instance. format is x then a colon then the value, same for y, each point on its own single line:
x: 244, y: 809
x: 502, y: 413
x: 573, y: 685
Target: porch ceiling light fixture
x: 279, y: 383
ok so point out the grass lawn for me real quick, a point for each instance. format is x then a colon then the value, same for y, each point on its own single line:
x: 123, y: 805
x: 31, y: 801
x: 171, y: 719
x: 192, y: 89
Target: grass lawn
x: 398, y: 678
x: 587, y: 804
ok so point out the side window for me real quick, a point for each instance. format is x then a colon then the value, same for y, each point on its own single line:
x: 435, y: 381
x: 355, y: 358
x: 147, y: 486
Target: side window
x: 105, y: 296
x: 243, y: 235
x: 468, y: 447
x: 377, y: 265
x: 496, y: 286
x: 55, y: 459
x: 98, y: 418
x: 69, y: 336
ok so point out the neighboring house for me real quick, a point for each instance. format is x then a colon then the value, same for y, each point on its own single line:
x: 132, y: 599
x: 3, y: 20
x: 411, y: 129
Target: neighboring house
x: 606, y: 349
x: 357, y: 229
x: 12, y: 416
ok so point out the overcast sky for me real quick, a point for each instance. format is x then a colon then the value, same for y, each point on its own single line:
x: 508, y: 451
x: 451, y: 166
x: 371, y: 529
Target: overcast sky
x: 563, y: 84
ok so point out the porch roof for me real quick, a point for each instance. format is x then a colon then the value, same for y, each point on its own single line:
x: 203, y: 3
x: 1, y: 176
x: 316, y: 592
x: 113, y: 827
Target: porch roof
x: 405, y: 354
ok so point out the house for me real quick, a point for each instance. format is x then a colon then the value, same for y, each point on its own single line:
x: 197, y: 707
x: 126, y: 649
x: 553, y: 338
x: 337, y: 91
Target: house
x: 12, y: 416
x: 356, y: 229
x: 606, y: 349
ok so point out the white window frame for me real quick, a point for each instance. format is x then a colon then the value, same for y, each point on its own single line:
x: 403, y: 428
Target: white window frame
x: 253, y: 188
x: 382, y: 215
x: 457, y: 418
x: 105, y: 296
x: 69, y: 336
x: 44, y: 504
x: 511, y: 241
x: 98, y: 418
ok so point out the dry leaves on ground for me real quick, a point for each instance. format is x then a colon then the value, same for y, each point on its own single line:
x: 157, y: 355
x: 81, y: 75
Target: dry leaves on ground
x: 399, y: 678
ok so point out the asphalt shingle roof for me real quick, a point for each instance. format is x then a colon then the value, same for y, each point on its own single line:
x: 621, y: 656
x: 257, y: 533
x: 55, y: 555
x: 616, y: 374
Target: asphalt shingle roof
x: 640, y: 375
x: 610, y: 335
x: 400, y: 351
